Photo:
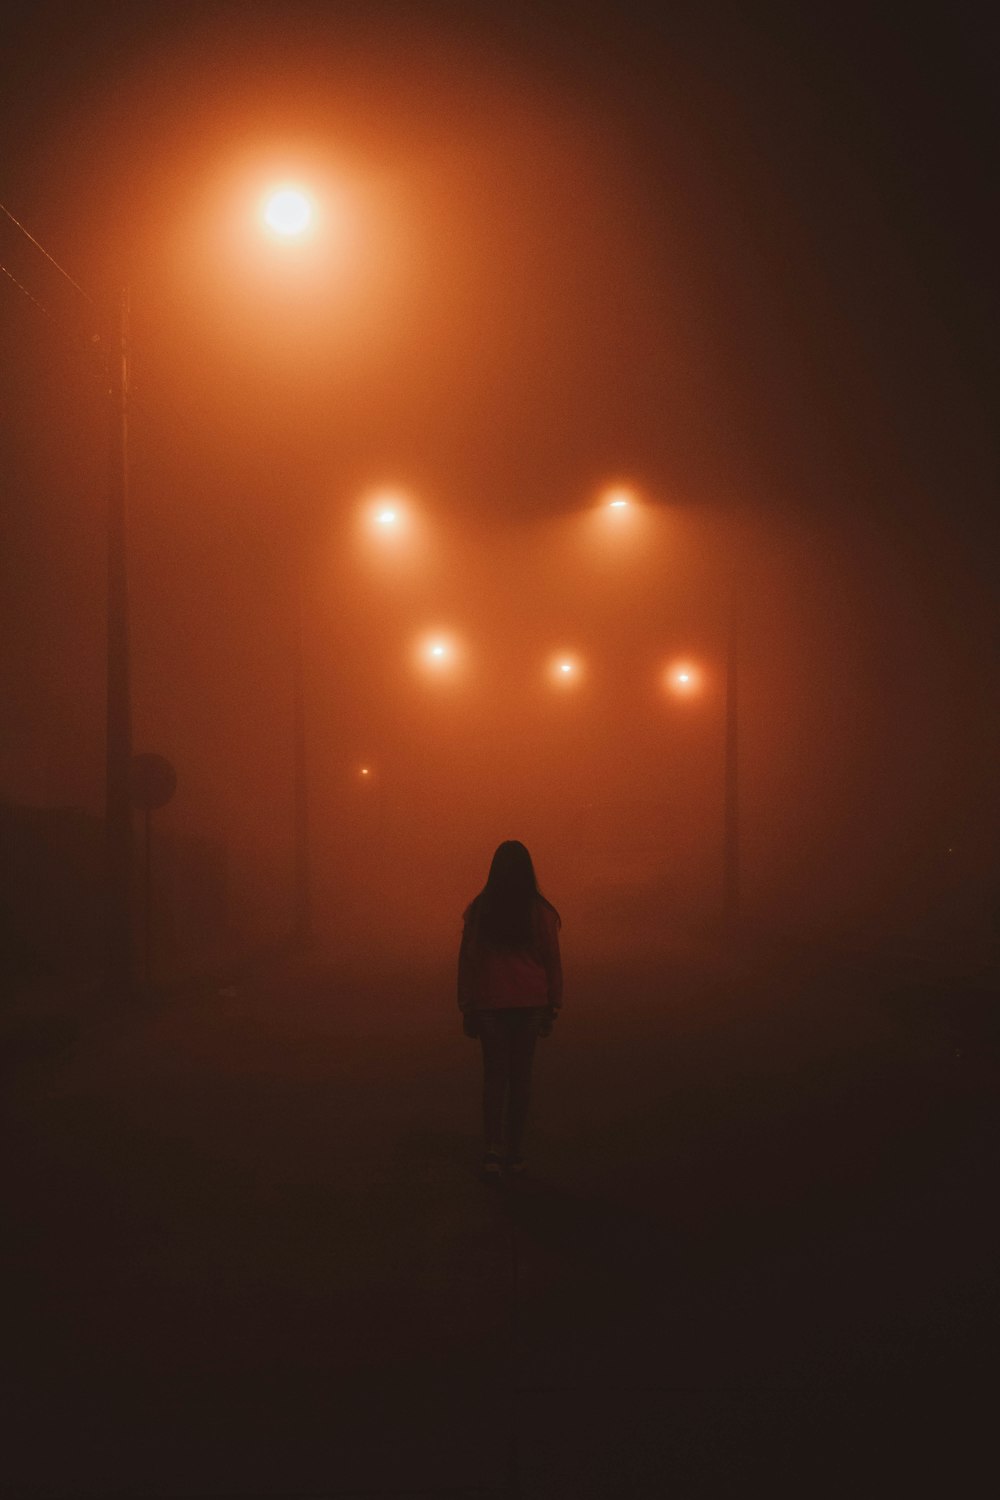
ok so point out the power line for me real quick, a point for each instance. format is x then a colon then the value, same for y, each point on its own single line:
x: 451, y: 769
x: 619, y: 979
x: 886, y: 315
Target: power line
x: 50, y: 258
x: 82, y: 344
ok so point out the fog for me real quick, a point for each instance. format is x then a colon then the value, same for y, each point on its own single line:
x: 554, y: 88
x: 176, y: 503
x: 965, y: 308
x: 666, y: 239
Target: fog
x: 531, y: 278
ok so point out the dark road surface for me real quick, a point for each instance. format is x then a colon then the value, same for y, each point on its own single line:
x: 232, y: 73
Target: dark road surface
x: 247, y: 1253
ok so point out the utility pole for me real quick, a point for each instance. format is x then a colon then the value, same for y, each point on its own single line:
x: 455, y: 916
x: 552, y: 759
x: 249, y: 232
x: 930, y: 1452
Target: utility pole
x: 731, y: 811
x: 118, y: 802
x: 303, y: 905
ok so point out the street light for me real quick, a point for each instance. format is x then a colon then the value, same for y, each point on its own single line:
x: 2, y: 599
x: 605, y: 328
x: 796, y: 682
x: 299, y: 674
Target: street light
x: 438, y: 654
x: 731, y: 803
x: 565, y: 670
x: 118, y: 740
x: 683, y: 678
x: 620, y: 500
x: 388, y: 516
x: 618, y: 511
x: 288, y: 211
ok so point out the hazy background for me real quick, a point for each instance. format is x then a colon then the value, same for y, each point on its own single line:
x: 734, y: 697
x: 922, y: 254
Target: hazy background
x: 739, y: 262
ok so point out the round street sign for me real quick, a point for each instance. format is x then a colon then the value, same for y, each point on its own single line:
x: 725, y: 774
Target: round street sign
x: 154, y: 781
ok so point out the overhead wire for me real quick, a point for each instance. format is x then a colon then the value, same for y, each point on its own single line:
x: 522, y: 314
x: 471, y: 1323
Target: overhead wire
x: 79, y: 341
x: 50, y: 258
x: 93, y: 345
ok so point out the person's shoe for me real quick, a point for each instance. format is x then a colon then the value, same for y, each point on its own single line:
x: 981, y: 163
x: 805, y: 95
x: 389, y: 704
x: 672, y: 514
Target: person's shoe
x: 492, y: 1166
x: 516, y: 1166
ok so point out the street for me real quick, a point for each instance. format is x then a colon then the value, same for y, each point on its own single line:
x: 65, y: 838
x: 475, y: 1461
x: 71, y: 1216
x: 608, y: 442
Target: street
x: 249, y: 1254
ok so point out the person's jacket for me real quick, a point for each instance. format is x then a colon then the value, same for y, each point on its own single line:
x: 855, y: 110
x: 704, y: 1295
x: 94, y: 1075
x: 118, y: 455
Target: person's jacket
x: 492, y: 978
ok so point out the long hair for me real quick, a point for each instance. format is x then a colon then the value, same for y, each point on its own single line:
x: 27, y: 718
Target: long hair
x: 505, y: 907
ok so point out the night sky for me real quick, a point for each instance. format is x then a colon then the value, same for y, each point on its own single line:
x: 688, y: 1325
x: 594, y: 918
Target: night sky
x: 735, y: 257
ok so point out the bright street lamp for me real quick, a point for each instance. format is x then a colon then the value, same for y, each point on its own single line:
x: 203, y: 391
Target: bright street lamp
x: 288, y: 211
x: 388, y: 513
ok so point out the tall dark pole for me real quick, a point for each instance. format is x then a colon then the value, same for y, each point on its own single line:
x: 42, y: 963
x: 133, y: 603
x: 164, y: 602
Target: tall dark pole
x: 118, y: 803
x: 303, y: 905
x: 731, y: 816
x: 147, y: 898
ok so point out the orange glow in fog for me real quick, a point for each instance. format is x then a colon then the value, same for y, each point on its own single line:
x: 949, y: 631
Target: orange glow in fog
x: 565, y: 669
x: 683, y: 678
x: 387, y: 515
x: 619, y: 498
x: 438, y: 653
x: 288, y: 211
x: 618, y: 524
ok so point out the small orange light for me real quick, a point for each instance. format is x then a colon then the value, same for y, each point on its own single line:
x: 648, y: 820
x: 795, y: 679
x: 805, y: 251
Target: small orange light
x: 618, y: 498
x: 388, y: 512
x: 564, y: 669
x: 682, y: 678
x: 443, y: 656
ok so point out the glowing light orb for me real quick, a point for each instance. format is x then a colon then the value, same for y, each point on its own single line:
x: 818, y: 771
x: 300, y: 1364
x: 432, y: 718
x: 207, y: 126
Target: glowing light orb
x: 388, y: 512
x: 365, y: 771
x: 683, y: 678
x: 564, y: 670
x: 441, y: 656
x: 288, y: 212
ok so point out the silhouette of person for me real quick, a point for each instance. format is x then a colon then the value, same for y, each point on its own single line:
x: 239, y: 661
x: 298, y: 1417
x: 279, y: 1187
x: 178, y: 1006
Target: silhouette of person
x: 509, y: 993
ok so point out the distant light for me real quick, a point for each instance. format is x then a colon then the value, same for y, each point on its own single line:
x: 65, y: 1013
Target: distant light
x: 618, y: 498
x: 682, y: 678
x: 564, y: 669
x: 389, y: 513
x: 441, y: 655
x: 288, y: 211
x: 364, y: 770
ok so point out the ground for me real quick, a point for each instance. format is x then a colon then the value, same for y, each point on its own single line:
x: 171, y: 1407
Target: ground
x: 249, y: 1255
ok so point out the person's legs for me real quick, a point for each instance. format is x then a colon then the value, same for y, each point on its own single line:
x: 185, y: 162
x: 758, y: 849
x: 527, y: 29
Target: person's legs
x: 494, y: 1037
x: 524, y: 1034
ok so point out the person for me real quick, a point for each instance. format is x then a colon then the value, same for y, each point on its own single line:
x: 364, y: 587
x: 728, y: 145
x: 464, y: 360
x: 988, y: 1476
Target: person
x: 509, y: 993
